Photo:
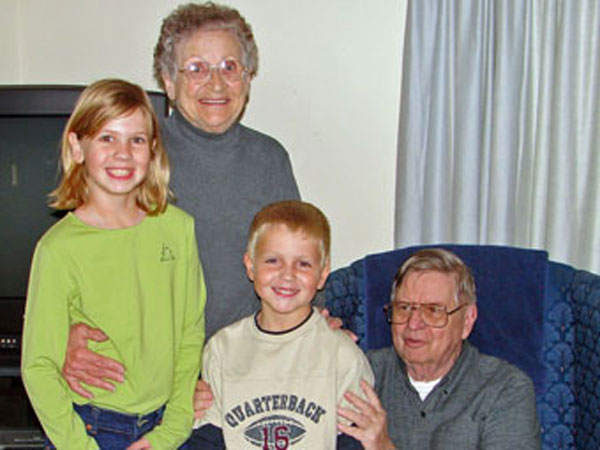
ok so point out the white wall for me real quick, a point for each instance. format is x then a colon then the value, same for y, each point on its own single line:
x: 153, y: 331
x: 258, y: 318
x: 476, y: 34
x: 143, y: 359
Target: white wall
x: 9, y: 45
x: 328, y: 87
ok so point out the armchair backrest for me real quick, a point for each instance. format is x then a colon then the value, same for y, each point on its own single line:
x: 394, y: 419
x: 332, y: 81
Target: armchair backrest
x: 510, y: 297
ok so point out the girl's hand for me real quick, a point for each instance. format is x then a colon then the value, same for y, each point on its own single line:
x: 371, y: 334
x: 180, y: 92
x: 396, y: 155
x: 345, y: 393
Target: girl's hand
x: 203, y: 399
x: 140, y: 445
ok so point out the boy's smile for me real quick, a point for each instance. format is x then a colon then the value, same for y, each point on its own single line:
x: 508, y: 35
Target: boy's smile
x: 286, y: 271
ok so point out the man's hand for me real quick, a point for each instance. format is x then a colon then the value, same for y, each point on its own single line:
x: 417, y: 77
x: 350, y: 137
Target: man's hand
x: 203, y: 399
x: 369, y: 419
x: 141, y: 444
x: 335, y: 323
x: 83, y: 365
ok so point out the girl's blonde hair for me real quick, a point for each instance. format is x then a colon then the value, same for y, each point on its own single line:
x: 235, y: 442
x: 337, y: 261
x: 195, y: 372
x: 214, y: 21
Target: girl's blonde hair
x: 100, y: 102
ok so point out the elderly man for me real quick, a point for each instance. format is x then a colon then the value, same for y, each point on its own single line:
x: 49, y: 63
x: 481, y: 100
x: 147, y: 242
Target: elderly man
x: 438, y: 391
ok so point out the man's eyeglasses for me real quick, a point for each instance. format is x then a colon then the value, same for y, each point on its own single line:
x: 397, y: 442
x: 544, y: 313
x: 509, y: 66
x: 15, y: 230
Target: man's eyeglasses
x: 433, y: 314
x: 199, y: 72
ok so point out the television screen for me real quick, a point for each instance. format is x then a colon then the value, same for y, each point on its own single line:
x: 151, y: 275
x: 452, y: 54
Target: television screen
x: 29, y: 149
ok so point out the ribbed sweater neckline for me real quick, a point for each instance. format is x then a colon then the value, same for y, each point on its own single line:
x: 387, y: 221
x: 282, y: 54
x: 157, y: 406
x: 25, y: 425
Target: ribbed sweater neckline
x: 196, y: 136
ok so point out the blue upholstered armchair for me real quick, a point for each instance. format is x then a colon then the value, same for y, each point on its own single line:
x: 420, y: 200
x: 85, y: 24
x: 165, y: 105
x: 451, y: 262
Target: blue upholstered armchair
x: 540, y: 315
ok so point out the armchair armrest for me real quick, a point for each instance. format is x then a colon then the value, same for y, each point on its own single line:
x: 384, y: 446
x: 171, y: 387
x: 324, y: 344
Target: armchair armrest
x: 344, y: 297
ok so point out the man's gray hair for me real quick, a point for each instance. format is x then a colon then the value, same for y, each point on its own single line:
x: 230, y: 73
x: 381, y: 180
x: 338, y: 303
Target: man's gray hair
x: 439, y: 260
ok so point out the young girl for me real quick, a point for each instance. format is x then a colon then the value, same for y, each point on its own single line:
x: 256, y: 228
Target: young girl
x: 122, y: 260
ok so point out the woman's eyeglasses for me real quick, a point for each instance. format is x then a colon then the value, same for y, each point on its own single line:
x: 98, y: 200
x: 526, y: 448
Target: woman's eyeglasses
x: 199, y: 71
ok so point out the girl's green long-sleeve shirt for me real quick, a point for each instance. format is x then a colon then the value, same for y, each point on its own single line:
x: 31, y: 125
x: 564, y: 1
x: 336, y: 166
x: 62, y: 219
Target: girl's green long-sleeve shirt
x: 143, y: 286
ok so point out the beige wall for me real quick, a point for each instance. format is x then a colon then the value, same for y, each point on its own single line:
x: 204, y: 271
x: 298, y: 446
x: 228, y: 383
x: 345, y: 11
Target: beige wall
x: 328, y: 87
x: 9, y: 44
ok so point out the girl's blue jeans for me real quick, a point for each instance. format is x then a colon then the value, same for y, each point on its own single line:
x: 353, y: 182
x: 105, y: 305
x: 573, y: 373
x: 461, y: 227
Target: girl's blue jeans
x: 113, y: 430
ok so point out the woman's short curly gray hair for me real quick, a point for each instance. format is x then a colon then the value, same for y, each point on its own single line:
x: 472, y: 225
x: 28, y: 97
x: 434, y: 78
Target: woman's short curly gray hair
x: 185, y: 20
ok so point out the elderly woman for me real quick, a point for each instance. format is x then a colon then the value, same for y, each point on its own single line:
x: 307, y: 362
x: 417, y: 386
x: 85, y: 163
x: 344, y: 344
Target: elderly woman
x: 222, y: 171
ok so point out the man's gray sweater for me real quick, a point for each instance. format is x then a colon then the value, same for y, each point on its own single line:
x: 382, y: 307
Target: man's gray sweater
x: 482, y: 403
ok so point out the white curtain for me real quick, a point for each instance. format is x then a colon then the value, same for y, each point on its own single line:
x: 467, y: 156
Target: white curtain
x: 499, y: 131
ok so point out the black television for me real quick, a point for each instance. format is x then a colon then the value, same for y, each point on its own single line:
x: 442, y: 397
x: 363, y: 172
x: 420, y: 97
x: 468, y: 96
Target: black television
x: 31, y: 122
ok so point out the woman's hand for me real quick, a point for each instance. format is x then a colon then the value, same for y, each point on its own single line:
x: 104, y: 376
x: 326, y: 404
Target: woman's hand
x: 83, y: 365
x: 335, y: 323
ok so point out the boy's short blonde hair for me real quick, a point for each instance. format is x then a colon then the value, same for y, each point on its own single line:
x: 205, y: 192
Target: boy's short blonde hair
x: 296, y: 216
x: 100, y: 102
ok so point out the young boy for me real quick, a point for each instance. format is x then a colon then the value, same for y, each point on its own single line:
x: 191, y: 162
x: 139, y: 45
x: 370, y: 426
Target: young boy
x: 278, y: 376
